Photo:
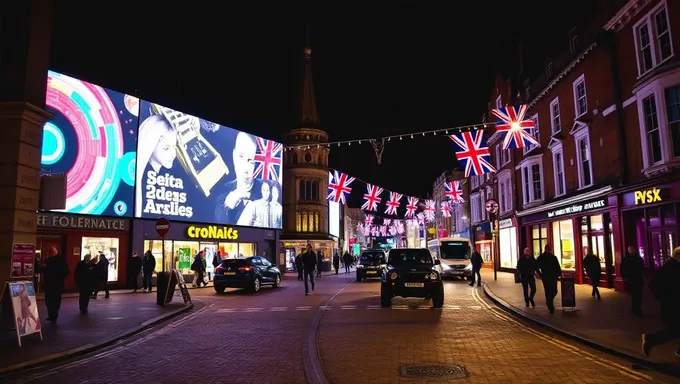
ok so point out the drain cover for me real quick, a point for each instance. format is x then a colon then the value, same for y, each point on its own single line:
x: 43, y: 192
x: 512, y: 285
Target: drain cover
x: 434, y: 371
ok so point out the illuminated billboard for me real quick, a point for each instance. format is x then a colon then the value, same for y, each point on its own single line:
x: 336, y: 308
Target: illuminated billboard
x: 195, y: 170
x: 92, y: 139
x: 334, y: 218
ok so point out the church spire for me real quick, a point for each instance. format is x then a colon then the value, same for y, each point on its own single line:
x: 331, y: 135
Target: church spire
x: 309, y: 115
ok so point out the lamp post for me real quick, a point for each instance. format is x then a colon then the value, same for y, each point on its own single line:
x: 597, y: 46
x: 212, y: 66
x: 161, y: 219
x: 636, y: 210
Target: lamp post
x: 492, y: 208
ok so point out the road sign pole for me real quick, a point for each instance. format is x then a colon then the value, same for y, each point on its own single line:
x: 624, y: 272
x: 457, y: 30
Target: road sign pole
x: 163, y: 252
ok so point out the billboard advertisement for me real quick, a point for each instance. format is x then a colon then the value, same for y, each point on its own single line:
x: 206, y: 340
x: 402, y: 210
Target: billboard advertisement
x: 92, y: 140
x: 334, y: 218
x: 191, y: 169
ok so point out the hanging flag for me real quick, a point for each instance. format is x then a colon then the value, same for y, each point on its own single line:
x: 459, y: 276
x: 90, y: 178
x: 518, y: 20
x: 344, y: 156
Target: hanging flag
x: 393, y: 230
x: 430, y: 210
x: 368, y: 220
x: 471, y: 150
x: 394, y: 203
x: 383, y: 230
x: 268, y: 160
x: 372, y: 197
x: 387, y: 221
x: 360, y: 227
x: 339, y: 184
x: 453, y: 190
x: 446, y: 209
x: 367, y: 230
x: 374, y: 231
x: 399, y: 225
x: 517, y: 130
x: 421, y: 218
x: 411, y: 206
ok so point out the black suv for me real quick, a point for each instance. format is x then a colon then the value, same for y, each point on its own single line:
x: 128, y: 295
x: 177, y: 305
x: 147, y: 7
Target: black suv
x: 411, y: 272
x: 371, y: 264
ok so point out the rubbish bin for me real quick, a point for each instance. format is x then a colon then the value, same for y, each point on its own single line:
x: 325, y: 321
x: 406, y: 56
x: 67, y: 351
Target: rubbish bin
x: 165, y: 280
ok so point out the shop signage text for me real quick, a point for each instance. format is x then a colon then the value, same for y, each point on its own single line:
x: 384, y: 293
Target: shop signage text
x: 648, y: 196
x: 212, y: 232
x: 505, y: 223
x: 81, y: 222
x: 578, y: 207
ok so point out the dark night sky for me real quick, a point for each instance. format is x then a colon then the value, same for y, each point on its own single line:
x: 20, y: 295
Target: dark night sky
x: 379, y: 70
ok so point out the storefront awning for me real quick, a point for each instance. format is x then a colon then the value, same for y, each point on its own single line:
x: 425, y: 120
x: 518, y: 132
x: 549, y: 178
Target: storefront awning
x: 571, y: 200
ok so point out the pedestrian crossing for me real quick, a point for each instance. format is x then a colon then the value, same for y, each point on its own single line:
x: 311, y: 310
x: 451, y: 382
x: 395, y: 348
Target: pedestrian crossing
x: 347, y: 308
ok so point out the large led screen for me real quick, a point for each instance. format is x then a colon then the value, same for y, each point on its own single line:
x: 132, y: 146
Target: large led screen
x: 195, y: 170
x: 334, y: 218
x: 92, y: 139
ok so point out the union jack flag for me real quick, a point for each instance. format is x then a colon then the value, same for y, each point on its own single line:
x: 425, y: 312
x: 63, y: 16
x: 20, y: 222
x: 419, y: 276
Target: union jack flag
x: 372, y: 197
x: 393, y: 204
x: 411, y: 206
x: 454, y: 190
x: 472, y: 150
x: 368, y: 220
x: 399, y: 225
x: 446, y: 209
x: 375, y: 231
x: 387, y: 221
x: 360, y: 227
x: 367, y: 230
x: 430, y: 209
x: 383, y: 230
x: 268, y: 160
x: 339, y: 184
x: 518, y: 130
x: 421, y: 218
x: 393, y: 230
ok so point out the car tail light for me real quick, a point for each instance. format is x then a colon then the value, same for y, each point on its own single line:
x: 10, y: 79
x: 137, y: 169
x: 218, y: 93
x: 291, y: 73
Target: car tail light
x: 245, y: 269
x: 219, y: 269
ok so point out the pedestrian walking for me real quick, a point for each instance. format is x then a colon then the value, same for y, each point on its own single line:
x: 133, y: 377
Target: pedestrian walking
x: 665, y: 286
x: 477, y: 262
x: 54, y: 271
x: 298, y: 264
x: 103, y: 273
x: 593, y: 268
x: 134, y: 270
x: 319, y: 263
x: 148, y: 267
x: 336, y: 262
x: 216, y: 261
x: 633, y: 274
x: 550, y: 271
x: 308, y: 265
x: 347, y: 260
x: 198, y: 266
x: 86, y: 278
x: 526, y: 267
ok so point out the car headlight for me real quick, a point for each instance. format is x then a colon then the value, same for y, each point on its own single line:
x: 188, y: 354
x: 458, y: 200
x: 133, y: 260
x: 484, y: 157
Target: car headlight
x: 393, y: 276
x: 468, y: 267
x: 444, y: 267
x: 360, y: 266
x: 433, y: 276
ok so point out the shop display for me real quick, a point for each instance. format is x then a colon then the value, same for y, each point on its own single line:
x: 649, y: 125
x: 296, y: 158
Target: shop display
x: 107, y: 246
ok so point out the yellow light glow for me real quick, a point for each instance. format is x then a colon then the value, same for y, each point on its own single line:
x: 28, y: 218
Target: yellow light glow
x: 515, y: 126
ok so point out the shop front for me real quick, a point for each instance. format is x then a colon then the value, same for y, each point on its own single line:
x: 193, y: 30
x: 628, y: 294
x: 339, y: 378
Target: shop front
x: 507, y: 244
x: 290, y: 248
x: 571, y: 225
x: 76, y: 236
x: 185, y: 240
x: 484, y: 243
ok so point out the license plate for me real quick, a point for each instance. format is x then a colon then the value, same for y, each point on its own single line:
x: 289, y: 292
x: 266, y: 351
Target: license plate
x: 371, y: 272
x: 230, y: 273
x: 414, y: 285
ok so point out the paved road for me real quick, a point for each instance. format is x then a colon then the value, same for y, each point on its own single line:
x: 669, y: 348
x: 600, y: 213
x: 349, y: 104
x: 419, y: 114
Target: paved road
x: 262, y: 338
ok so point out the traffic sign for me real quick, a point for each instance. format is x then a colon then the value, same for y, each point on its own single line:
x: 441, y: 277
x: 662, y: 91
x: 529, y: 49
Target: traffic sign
x: 491, y: 206
x: 162, y: 227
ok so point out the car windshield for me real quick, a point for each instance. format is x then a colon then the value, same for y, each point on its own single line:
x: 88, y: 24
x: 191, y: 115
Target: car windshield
x: 410, y: 257
x: 372, y: 257
x: 459, y: 250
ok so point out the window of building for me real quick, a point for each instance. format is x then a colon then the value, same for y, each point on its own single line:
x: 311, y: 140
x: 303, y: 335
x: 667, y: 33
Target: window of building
x: 653, y: 133
x: 580, y: 97
x: 534, y: 133
x: 475, y: 208
x: 558, y: 171
x: 555, y: 122
x: 499, y: 102
x: 474, y: 182
x: 184, y: 252
x: 307, y: 222
x: 532, y: 179
x: 563, y: 243
x: 673, y: 116
x: 504, y: 192
x: 308, y: 157
x: 508, y: 247
x: 659, y: 131
x: 583, y: 156
x: 109, y: 247
x: 653, y: 40
x: 539, y: 238
x: 593, y: 237
x: 506, y: 156
x: 309, y: 190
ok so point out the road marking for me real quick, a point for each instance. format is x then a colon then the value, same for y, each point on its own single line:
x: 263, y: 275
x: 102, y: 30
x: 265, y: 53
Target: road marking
x: 253, y: 309
x: 400, y: 307
x: 451, y: 307
x: 476, y: 307
x: 114, y: 318
x: 306, y: 308
x: 373, y: 307
x: 278, y: 309
x: 348, y: 307
x: 226, y: 310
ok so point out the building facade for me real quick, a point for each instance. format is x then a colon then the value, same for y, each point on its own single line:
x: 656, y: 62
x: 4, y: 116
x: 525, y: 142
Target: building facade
x: 460, y: 215
x: 442, y: 222
x: 481, y: 190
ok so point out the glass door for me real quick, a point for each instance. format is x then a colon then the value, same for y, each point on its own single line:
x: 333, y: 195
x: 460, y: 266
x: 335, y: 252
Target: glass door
x: 658, y: 249
x: 671, y: 239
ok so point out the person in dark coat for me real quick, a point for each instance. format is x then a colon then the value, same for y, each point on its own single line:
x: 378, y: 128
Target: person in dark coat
x: 477, y: 262
x: 526, y: 267
x: 103, y: 273
x: 550, y: 271
x: 319, y: 263
x: 198, y: 266
x: 216, y: 261
x: 593, y: 268
x: 134, y: 270
x: 54, y: 271
x: 633, y: 274
x: 148, y: 267
x: 336, y: 262
x: 86, y: 278
x: 347, y: 259
x: 298, y: 264
x: 665, y: 286
x: 308, y: 264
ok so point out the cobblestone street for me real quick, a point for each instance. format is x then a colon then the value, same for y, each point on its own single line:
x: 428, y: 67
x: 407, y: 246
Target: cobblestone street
x: 260, y: 338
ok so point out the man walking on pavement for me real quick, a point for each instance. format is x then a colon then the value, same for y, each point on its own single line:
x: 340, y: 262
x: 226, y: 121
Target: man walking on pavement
x: 336, y: 262
x: 55, y: 271
x: 103, y: 273
x: 526, y: 267
x: 308, y: 263
x: 347, y: 260
x: 476, y: 261
x: 135, y: 269
x: 319, y: 263
x: 298, y: 264
x: 148, y: 266
x: 591, y: 264
x: 86, y: 277
x: 665, y: 286
x: 550, y: 271
x: 633, y: 274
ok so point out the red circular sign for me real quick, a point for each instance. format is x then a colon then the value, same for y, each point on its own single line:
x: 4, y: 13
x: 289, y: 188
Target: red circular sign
x: 162, y: 227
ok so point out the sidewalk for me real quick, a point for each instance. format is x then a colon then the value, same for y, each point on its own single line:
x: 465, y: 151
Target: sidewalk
x: 608, y: 323
x: 108, y: 320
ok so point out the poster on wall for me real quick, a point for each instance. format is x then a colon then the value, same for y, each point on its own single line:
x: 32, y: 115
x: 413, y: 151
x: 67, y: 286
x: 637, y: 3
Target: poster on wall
x: 104, y: 250
x: 195, y: 170
x: 21, y: 296
x: 23, y: 256
x: 92, y: 139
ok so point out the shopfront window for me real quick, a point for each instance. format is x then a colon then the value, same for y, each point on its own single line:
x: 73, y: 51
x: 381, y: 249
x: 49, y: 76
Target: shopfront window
x: 508, y: 247
x: 539, y: 238
x: 185, y: 251
x: 107, y: 246
x: 563, y: 243
x: 593, y: 236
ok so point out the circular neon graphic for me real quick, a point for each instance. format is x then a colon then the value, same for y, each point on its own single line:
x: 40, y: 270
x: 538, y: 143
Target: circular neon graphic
x: 53, y: 144
x: 120, y: 208
x: 94, y: 177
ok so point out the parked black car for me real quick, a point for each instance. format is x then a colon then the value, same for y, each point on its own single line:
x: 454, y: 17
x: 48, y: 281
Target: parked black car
x: 371, y: 264
x: 246, y: 272
x: 411, y: 272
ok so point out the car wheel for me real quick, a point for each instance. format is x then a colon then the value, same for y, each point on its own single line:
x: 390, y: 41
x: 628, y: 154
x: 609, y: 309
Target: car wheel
x: 438, y: 297
x: 220, y: 289
x: 277, y: 281
x: 256, y: 285
x: 385, y: 298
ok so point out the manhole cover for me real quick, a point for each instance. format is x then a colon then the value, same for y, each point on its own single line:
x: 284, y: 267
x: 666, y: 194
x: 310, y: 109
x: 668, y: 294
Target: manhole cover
x: 434, y: 371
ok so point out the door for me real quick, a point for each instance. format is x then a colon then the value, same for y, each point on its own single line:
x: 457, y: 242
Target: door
x: 658, y: 255
x: 43, y: 249
x: 262, y: 268
x: 671, y: 241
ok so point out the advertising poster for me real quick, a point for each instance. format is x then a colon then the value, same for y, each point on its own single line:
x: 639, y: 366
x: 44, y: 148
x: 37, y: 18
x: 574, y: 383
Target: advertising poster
x: 92, y: 140
x: 26, y: 316
x: 568, y: 291
x: 23, y: 256
x: 184, y: 258
x: 191, y: 169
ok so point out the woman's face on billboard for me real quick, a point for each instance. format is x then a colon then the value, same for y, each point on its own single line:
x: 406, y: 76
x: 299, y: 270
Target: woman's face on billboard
x: 165, y: 152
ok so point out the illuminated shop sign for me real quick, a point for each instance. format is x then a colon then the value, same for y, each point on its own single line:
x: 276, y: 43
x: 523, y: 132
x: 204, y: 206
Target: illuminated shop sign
x: 579, y: 208
x: 81, y: 222
x: 648, y: 196
x: 212, y: 232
